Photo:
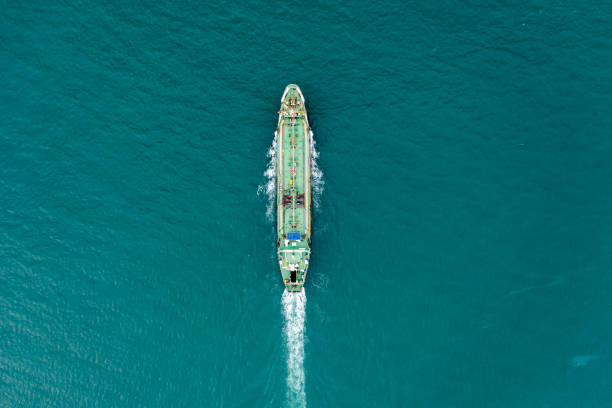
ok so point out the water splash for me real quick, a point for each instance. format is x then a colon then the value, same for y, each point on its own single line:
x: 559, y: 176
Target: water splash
x: 294, y: 309
x: 317, y: 184
x: 269, y: 188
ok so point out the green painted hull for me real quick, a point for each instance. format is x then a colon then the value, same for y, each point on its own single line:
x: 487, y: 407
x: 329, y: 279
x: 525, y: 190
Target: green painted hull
x: 293, y: 203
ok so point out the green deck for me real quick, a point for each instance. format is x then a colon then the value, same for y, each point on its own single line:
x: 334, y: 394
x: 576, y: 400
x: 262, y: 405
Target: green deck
x: 293, y: 188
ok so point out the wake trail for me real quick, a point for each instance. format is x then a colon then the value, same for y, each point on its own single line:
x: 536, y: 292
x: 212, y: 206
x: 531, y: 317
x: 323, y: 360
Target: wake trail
x: 294, y: 309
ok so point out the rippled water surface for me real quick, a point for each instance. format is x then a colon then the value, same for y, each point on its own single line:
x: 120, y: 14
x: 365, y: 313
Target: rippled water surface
x: 461, y: 249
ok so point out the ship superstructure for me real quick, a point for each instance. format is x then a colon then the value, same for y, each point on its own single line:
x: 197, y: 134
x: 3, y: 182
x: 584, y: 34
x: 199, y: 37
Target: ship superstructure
x: 293, y: 189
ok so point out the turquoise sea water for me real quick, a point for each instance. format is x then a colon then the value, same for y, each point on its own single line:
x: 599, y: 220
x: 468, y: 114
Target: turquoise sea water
x: 462, y: 245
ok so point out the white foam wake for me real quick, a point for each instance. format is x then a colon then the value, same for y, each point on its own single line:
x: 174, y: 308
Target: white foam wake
x: 317, y: 184
x: 269, y: 188
x: 294, y: 309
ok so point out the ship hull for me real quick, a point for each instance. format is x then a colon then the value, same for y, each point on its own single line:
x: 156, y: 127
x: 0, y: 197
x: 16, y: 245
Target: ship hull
x: 293, y: 190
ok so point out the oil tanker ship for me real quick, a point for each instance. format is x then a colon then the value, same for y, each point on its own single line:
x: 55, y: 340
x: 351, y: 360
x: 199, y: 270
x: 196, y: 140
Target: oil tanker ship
x: 293, y: 189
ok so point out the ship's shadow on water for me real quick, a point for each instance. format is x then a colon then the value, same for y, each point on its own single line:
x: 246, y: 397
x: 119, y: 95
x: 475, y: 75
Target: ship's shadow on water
x: 294, y: 310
